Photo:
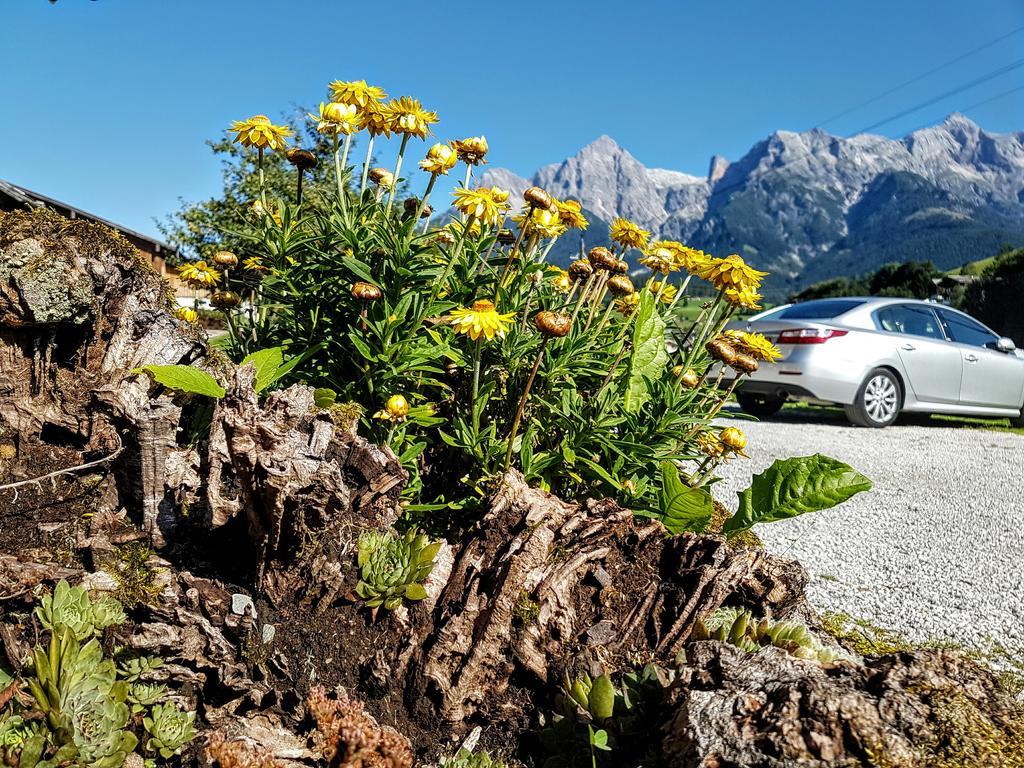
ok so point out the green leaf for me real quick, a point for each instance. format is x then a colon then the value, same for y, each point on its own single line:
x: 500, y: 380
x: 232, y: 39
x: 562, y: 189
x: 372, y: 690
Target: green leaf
x: 185, y: 378
x: 791, y: 487
x: 267, y: 361
x: 324, y: 397
x: 415, y: 591
x: 683, y: 508
x: 648, y: 358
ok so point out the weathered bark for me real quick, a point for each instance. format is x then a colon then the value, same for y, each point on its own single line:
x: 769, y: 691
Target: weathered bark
x: 771, y: 710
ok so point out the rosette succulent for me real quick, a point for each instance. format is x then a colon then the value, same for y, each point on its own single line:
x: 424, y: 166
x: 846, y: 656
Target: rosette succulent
x: 70, y: 607
x: 739, y: 627
x: 84, y: 702
x: 393, y: 567
x: 169, y: 729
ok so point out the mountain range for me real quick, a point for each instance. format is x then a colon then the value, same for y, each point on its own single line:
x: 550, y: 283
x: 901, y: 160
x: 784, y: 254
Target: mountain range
x: 808, y: 206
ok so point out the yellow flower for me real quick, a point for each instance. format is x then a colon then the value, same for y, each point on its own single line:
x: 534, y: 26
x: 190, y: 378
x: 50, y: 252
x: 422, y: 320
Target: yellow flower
x: 542, y: 222
x: 407, y: 116
x: 755, y: 345
x: 356, y: 93
x: 259, y: 132
x: 187, y: 315
x: 560, y: 279
x: 667, y: 295
x: 686, y: 257
x: 733, y: 272
x: 335, y: 118
x: 472, y: 151
x: 628, y: 234
x: 198, y: 274
x: 486, y: 204
x: 746, y: 298
x: 710, y: 445
x: 571, y: 214
x: 373, y: 118
x: 659, y: 258
x: 628, y: 304
x: 440, y: 158
x: 482, y: 319
x: 455, y: 227
x: 254, y: 264
x: 733, y: 440
x: 395, y: 410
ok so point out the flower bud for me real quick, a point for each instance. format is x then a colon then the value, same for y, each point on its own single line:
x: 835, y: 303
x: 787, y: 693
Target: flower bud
x: 225, y: 299
x: 722, y: 350
x: 225, y: 259
x: 555, y: 324
x: 621, y: 266
x: 688, y: 378
x: 412, y: 203
x: 536, y: 197
x: 444, y: 237
x: 382, y: 177
x: 580, y: 270
x: 602, y: 258
x: 366, y: 291
x: 744, y: 363
x: 620, y: 285
x: 302, y: 159
x: 397, y: 407
x: 506, y: 236
x: 733, y: 439
x: 186, y: 314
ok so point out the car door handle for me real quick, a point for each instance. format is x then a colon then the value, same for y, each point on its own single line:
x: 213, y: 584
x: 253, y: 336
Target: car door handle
x: 971, y: 358
x: 908, y: 347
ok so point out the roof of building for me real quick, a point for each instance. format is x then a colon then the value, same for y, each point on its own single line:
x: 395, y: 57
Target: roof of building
x: 29, y: 199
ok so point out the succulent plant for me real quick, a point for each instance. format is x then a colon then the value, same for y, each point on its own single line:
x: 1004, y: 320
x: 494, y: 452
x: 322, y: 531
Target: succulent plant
x: 138, y: 667
x: 70, y: 607
x: 83, y: 701
x: 739, y: 627
x: 142, y: 695
x: 169, y: 729
x: 466, y: 759
x: 393, y: 567
x: 595, y: 697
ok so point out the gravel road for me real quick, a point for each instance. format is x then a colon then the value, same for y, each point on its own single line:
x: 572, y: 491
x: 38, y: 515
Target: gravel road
x: 934, y: 551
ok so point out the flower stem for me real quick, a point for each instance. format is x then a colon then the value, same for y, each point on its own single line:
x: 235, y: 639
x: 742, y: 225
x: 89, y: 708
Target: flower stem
x: 522, y: 403
x: 337, y: 171
x: 398, y: 169
x: 423, y: 202
x: 476, y: 390
x: 515, y: 249
x: 263, y: 180
x: 680, y: 292
x: 456, y: 251
x: 583, y: 295
x: 366, y: 166
x: 469, y: 175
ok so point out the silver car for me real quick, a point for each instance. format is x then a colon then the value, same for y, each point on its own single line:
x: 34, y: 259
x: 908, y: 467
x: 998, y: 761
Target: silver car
x: 879, y: 357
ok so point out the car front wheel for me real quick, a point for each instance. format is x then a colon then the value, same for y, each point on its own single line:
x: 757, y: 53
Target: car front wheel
x: 878, y: 400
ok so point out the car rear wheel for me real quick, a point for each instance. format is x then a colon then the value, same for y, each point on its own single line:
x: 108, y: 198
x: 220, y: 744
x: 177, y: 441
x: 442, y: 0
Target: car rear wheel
x: 759, y: 405
x: 878, y: 400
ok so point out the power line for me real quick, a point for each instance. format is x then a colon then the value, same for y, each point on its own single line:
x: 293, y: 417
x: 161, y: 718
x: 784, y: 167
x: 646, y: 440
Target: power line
x: 922, y: 76
x: 953, y: 92
x: 981, y: 103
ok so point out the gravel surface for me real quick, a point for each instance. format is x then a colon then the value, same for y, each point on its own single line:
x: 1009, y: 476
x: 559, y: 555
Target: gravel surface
x: 934, y: 551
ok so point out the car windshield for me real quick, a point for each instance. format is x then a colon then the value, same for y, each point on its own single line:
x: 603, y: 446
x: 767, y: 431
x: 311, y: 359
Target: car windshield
x: 819, y: 309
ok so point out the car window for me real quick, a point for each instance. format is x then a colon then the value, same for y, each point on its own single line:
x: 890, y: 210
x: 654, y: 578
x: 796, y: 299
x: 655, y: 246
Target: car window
x: 909, y: 319
x: 819, y: 309
x: 964, y: 330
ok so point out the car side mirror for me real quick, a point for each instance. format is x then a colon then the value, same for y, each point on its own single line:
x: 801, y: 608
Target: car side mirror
x: 1005, y: 345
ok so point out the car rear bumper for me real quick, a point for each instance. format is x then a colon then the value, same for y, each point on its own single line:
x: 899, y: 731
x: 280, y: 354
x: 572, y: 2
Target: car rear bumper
x: 809, y: 373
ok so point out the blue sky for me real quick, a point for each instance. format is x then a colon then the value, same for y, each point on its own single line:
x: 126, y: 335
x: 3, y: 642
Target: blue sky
x: 107, y: 104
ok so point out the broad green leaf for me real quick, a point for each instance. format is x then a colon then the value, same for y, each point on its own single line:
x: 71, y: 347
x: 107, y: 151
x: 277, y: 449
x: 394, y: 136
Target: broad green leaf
x: 185, y: 378
x: 791, y: 487
x: 415, y: 591
x: 267, y: 362
x: 683, y: 508
x: 648, y: 357
x: 324, y: 397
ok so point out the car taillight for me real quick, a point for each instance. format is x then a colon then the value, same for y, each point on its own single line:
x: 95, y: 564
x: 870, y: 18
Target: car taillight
x: 809, y: 335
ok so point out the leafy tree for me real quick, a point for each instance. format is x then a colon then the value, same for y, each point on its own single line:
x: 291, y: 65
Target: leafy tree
x: 837, y: 286
x: 911, y: 280
x: 200, y: 228
x: 995, y: 299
